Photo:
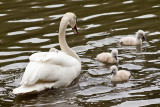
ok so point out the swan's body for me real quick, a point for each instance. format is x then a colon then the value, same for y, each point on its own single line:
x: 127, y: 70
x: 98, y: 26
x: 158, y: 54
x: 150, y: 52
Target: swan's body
x: 54, y: 68
x: 108, y: 57
x: 132, y: 41
x: 120, y: 75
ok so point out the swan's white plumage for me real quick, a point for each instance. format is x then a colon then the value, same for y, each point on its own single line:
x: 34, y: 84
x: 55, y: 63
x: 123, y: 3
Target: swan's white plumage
x: 51, y: 69
x: 132, y: 41
x: 48, y: 69
x: 50, y: 66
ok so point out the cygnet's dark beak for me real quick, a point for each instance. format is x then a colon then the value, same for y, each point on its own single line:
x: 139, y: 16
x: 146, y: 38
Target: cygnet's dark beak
x: 144, y: 38
x: 111, y: 72
x: 116, y: 57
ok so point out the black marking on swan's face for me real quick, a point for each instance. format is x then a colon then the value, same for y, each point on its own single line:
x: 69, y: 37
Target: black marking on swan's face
x: 75, y: 28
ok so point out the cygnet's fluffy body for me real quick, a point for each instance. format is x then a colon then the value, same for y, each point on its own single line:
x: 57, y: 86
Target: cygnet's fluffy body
x: 120, y: 75
x: 132, y: 41
x: 108, y: 57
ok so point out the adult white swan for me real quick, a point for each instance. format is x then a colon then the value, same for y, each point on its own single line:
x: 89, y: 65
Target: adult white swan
x: 54, y: 68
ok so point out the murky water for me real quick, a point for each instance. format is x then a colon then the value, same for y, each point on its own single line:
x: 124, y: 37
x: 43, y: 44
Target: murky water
x: 29, y: 26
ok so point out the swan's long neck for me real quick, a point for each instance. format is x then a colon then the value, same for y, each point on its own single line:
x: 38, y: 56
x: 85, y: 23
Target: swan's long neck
x: 62, y: 39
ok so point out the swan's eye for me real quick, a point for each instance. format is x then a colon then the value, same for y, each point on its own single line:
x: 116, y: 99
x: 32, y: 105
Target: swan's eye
x: 72, y: 22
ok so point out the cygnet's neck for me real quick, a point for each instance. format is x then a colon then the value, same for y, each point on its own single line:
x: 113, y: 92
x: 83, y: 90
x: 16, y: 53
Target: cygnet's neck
x: 114, y: 55
x: 62, y: 39
x: 138, y: 37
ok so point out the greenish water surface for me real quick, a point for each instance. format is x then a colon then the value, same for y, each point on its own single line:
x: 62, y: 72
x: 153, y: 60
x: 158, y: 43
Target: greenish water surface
x: 29, y: 26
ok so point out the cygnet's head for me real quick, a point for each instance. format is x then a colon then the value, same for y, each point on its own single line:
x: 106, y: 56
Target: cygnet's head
x: 113, y: 69
x: 115, y: 53
x: 141, y: 34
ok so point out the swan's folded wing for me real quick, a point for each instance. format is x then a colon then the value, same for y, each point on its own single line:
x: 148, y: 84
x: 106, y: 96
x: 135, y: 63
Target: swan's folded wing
x: 37, y: 57
x: 45, y: 64
x: 59, y: 58
x: 31, y: 74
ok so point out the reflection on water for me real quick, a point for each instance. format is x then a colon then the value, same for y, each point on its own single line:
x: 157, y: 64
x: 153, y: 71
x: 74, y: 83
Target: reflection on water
x: 32, y: 26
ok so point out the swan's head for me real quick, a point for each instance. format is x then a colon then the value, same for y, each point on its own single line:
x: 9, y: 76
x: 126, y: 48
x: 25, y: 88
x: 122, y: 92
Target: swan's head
x: 141, y: 34
x: 72, y: 21
x: 115, y: 53
x: 113, y: 69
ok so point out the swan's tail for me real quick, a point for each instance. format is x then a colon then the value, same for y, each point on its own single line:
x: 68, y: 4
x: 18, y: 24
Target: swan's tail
x: 34, y: 88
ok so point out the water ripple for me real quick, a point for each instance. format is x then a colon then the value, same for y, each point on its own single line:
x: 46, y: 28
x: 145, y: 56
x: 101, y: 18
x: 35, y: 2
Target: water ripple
x: 34, y: 40
x: 96, y: 34
x: 110, y: 97
x: 100, y: 15
x: 132, y: 66
x: 13, y: 66
x: 2, y: 15
x: 119, y: 29
x: 36, y: 7
x: 127, y: 2
x: 154, y: 33
x: 91, y: 5
x: 156, y: 6
x: 127, y: 19
x: 92, y: 26
x: 10, y: 53
x: 51, y: 34
x: 54, y: 6
x: 55, y: 16
x: 94, y: 90
x: 100, y: 27
x: 50, y: 45
x: 32, y: 28
x: 26, y: 20
x: 16, y: 33
x: 15, y: 59
x: 82, y: 48
x: 138, y: 103
x: 145, y: 16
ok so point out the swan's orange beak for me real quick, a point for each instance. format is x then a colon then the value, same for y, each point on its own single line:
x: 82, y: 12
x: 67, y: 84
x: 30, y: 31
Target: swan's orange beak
x: 75, y: 29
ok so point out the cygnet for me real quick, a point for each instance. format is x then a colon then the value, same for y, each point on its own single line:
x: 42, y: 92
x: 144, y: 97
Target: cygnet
x: 108, y: 57
x: 132, y: 41
x: 120, y: 75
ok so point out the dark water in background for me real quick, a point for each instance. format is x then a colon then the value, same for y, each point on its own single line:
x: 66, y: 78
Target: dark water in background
x: 28, y: 26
